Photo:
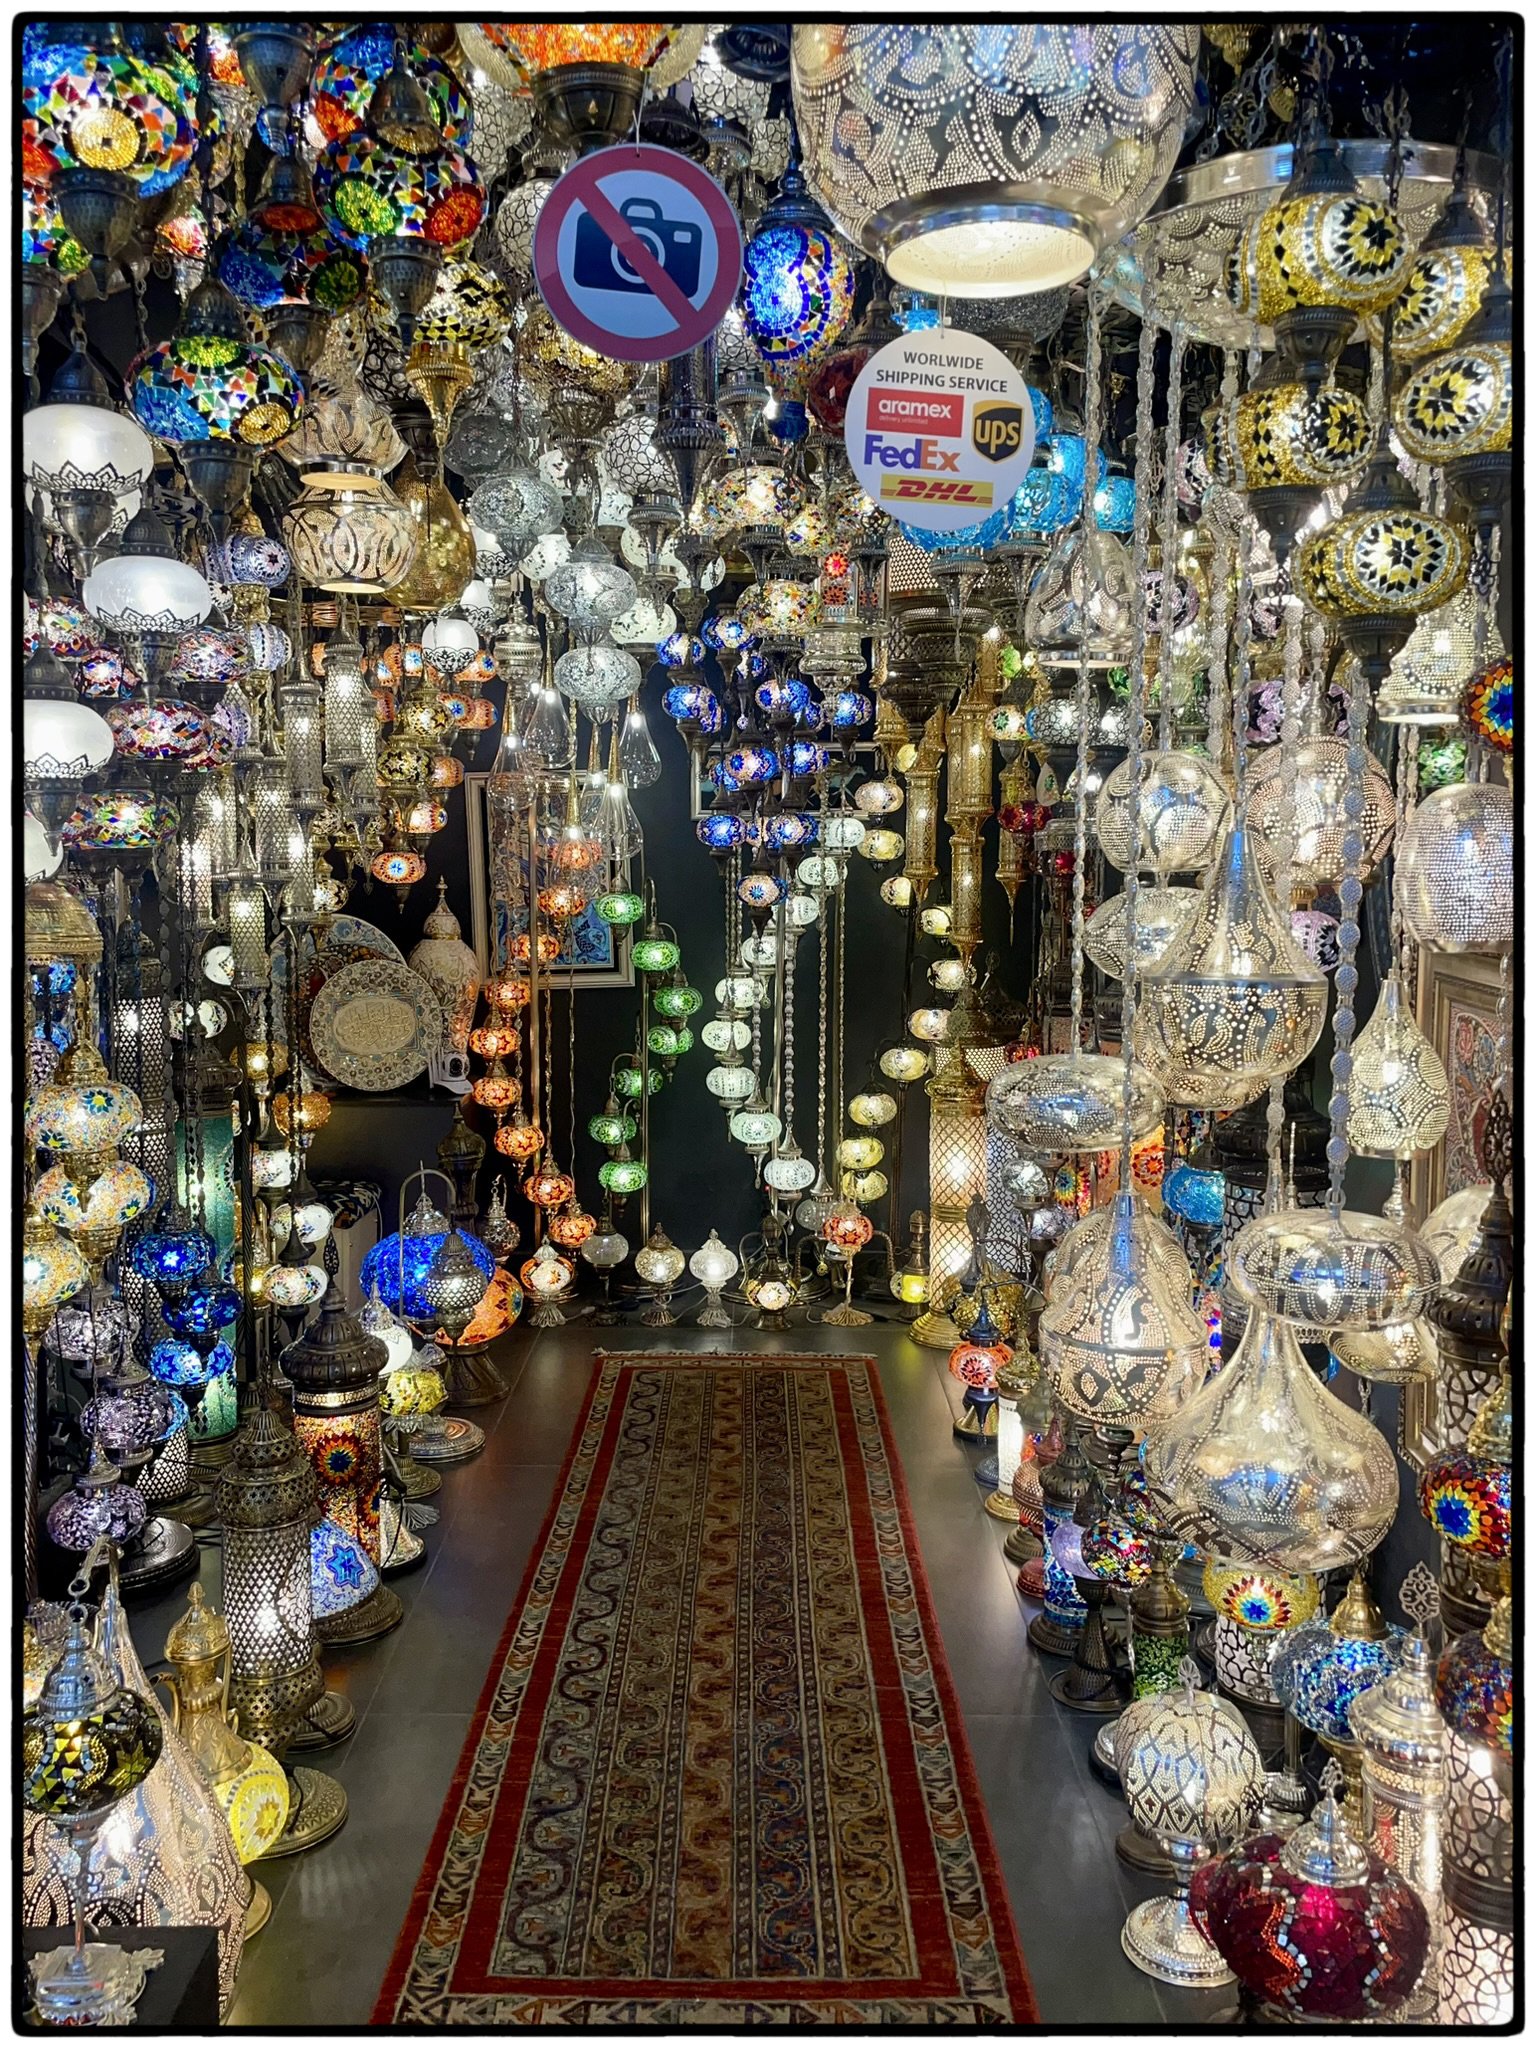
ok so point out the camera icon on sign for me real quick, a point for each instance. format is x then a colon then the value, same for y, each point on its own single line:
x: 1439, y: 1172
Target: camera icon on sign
x: 676, y: 245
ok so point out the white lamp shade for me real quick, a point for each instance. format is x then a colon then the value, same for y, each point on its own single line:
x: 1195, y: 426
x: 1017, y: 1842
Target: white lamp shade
x: 61, y: 738
x: 149, y: 593
x: 714, y: 1264
x: 40, y: 858
x: 85, y: 447
x: 448, y: 635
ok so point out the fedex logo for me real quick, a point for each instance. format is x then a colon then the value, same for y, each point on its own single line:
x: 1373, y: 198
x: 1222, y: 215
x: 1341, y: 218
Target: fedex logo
x: 919, y: 454
x: 917, y: 412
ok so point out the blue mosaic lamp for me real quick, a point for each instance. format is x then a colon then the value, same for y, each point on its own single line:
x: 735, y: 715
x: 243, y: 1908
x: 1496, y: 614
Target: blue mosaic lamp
x: 206, y: 1307
x: 1320, y: 1669
x: 341, y: 1574
x: 398, y: 1266
x: 177, y: 1363
x: 851, y: 709
x: 1195, y: 1194
x: 170, y: 1259
x: 720, y: 831
x: 796, y: 296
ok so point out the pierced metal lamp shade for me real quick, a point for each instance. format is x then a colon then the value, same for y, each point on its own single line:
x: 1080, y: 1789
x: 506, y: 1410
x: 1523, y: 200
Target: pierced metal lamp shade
x: 1264, y: 1465
x: 1237, y: 1002
x: 1399, y: 1095
x: 1455, y: 869
x: 1123, y: 1347
x: 1429, y: 675
x: 1082, y: 1247
x: 990, y: 161
x: 1311, y: 814
x: 1071, y: 1102
x: 1184, y: 810
x: 1333, y: 1270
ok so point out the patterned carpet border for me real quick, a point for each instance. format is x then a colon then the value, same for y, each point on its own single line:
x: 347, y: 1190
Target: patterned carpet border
x: 984, y: 1980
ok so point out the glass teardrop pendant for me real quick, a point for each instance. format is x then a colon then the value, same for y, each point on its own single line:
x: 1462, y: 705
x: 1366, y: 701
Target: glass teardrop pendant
x: 637, y: 750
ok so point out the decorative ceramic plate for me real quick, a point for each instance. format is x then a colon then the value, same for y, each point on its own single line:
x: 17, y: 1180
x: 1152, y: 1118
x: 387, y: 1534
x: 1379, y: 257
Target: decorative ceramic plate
x: 373, y: 1024
x: 343, y: 940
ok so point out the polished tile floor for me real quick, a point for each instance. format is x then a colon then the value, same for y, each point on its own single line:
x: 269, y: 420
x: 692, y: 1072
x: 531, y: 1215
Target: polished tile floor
x: 337, y: 1910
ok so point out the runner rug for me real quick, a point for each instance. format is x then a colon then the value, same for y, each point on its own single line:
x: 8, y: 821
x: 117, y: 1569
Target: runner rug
x: 717, y: 1775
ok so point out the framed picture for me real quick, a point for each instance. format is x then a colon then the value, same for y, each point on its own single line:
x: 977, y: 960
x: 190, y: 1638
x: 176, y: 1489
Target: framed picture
x: 594, y: 955
x: 1457, y: 1011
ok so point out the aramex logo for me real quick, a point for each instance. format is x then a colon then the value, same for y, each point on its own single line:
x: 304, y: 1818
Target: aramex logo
x: 918, y: 412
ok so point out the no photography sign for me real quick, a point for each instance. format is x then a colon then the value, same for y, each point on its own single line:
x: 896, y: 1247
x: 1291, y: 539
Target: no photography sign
x: 637, y: 253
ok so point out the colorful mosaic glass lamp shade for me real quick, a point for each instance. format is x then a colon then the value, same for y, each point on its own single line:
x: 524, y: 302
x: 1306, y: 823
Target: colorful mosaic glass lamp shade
x: 1316, y: 1927
x: 86, y: 1743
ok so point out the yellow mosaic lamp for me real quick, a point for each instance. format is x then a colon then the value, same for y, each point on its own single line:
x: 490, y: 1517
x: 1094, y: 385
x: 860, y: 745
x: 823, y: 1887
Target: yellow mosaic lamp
x: 53, y: 1271
x: 1445, y: 283
x: 1283, y: 446
x: 1382, y: 563
x: 1457, y: 407
x: 1319, y: 260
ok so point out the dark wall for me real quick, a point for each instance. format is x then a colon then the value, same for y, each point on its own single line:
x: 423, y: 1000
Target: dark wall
x: 700, y: 1179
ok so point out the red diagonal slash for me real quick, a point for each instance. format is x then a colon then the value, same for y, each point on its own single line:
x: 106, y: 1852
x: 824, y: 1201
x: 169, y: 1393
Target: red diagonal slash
x: 637, y: 255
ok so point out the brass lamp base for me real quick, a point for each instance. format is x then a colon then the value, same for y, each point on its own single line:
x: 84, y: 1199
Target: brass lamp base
x: 370, y: 1618
x: 846, y: 1317
x: 1143, y: 1852
x: 317, y: 1810
x: 420, y: 1481
x: 258, y: 1910
x: 1023, y: 1543
x: 459, y: 1439
x: 1002, y: 1504
x: 329, y: 1721
x: 1052, y: 1638
x: 472, y: 1380
x: 934, y: 1331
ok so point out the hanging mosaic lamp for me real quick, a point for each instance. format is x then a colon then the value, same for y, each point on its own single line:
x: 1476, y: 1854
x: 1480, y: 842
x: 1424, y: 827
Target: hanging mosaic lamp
x: 796, y: 297
x: 395, y: 189
x: 217, y: 397
x: 587, y: 78
x: 1318, y: 260
x: 1374, y: 570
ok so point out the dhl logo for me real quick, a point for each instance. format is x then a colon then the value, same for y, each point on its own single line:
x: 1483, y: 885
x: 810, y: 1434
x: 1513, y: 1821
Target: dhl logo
x: 937, y: 490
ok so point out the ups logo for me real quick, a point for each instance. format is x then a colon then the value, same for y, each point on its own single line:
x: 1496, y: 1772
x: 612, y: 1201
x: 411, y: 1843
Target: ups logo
x: 996, y: 431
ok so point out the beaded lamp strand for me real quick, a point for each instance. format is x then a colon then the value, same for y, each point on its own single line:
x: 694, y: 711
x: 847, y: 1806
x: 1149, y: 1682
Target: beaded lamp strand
x: 1177, y: 343
x: 1284, y: 849
x: 823, y: 968
x: 1083, y: 695
x: 1347, y: 977
x: 1146, y: 358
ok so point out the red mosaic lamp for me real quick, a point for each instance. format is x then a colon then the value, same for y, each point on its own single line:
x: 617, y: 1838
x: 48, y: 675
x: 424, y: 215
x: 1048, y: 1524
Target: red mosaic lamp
x: 1314, y: 1926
